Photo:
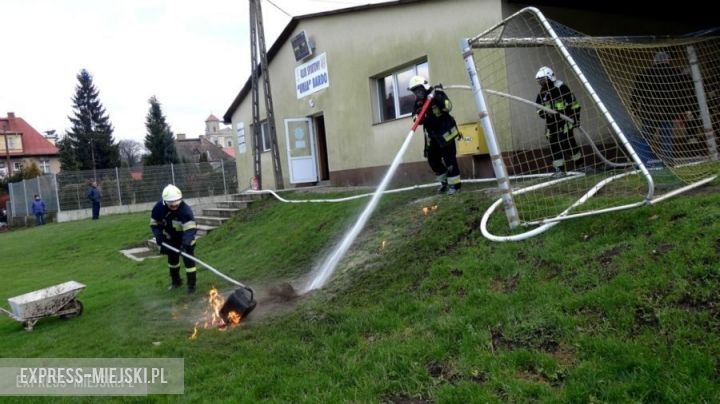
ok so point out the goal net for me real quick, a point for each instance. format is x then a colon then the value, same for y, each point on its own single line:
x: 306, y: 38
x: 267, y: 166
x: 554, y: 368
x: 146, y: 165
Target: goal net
x: 578, y: 125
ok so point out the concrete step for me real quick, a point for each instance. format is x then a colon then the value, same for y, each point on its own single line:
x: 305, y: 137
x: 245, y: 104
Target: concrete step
x: 203, y: 230
x: 139, y: 254
x: 233, y: 204
x: 210, y: 220
x: 219, y: 212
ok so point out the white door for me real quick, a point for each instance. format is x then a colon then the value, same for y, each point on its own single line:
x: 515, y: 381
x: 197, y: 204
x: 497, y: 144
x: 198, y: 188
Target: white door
x: 301, y: 150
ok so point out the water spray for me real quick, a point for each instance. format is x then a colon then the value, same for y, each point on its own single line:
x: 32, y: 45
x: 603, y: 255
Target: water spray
x: 330, y: 263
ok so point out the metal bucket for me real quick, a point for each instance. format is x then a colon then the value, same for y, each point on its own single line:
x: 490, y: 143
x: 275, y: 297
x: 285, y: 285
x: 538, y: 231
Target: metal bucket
x: 240, y: 301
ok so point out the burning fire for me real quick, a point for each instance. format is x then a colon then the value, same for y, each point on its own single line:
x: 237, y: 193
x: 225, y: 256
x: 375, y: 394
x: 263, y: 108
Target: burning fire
x: 212, y: 318
x: 427, y: 209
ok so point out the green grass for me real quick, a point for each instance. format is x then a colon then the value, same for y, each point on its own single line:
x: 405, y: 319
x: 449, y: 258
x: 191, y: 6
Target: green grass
x: 623, y: 307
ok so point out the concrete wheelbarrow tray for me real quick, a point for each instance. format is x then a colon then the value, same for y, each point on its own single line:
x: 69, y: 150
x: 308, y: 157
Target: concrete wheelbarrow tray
x: 58, y: 300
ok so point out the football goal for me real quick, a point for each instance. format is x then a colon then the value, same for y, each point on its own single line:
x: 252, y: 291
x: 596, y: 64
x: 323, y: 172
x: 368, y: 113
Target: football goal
x: 579, y: 125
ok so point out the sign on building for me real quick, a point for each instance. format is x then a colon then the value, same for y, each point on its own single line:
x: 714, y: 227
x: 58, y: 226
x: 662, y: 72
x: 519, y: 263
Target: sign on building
x: 312, y: 76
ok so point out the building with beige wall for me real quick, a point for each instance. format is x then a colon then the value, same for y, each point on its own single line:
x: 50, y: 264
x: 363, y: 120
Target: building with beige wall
x: 342, y: 112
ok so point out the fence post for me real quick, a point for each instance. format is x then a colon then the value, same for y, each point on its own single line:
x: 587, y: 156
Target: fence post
x: 222, y: 166
x: 117, y: 178
x: 172, y: 171
x: 57, y: 192
x: 25, y: 195
x: 77, y: 195
x: 37, y: 179
x: 11, y: 213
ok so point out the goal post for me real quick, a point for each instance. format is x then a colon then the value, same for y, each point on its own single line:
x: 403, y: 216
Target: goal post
x: 625, y: 121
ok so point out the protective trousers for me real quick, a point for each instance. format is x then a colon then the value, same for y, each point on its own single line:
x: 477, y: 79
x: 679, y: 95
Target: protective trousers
x: 443, y: 162
x: 174, y: 265
x: 561, y: 140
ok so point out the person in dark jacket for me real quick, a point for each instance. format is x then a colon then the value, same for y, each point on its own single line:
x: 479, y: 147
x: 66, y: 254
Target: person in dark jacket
x: 662, y: 94
x: 556, y: 95
x: 172, y: 222
x: 39, y: 210
x: 441, y: 132
x: 94, y: 195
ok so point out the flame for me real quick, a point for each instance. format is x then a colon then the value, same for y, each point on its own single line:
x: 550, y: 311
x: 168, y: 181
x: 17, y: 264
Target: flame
x: 234, y: 317
x: 211, y: 318
x: 427, y: 209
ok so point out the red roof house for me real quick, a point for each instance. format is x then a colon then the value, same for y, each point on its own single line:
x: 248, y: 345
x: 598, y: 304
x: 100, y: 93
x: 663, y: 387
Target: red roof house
x: 20, y: 144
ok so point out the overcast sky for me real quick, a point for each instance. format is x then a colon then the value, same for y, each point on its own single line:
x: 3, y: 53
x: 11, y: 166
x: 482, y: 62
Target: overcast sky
x: 193, y: 55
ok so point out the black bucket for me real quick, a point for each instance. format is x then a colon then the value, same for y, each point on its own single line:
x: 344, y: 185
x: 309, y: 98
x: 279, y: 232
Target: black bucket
x: 240, y: 301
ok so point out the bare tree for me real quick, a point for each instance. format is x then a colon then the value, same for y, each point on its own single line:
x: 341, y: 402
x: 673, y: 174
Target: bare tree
x: 131, y: 152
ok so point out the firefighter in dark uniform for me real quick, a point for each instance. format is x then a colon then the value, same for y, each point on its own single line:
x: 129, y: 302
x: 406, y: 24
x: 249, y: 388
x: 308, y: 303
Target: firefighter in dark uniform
x: 441, y: 132
x: 172, y: 221
x: 556, y: 95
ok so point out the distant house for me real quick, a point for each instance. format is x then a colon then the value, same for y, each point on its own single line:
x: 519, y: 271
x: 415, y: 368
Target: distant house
x: 192, y: 150
x: 21, y: 144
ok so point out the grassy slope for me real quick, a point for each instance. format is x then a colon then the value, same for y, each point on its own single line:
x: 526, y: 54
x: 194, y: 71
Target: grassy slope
x: 621, y: 307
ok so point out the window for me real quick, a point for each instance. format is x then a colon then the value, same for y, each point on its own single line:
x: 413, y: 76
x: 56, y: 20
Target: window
x: 265, y: 136
x: 229, y: 143
x: 265, y: 129
x: 241, y: 137
x: 395, y: 100
x: 45, y: 166
x: 17, y: 166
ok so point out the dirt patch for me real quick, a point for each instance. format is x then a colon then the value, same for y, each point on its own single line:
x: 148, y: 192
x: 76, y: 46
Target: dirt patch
x: 506, y: 285
x: 566, y: 355
x: 661, y: 250
x: 606, y: 258
x: 548, y: 270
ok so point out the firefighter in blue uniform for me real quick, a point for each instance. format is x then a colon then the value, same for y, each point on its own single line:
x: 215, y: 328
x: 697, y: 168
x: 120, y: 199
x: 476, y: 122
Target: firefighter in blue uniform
x: 172, y: 221
x: 441, y: 132
x: 556, y: 95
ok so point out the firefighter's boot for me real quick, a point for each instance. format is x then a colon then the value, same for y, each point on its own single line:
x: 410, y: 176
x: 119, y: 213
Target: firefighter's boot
x: 191, y: 281
x: 175, y: 281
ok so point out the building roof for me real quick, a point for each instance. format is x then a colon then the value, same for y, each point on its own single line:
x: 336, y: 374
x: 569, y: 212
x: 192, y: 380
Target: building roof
x: 192, y: 149
x: 212, y: 118
x: 33, y: 143
x: 285, y: 35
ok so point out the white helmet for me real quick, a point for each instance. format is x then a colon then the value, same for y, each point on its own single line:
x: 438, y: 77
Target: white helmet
x: 418, y: 81
x: 545, y: 72
x: 171, y: 193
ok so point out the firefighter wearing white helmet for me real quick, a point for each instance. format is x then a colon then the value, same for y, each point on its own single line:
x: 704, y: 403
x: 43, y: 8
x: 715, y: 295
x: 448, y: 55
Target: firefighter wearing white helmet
x: 441, y: 132
x: 172, y: 222
x: 556, y: 96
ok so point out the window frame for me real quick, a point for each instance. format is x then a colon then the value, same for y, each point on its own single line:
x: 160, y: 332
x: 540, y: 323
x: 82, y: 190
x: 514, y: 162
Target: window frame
x: 418, y: 67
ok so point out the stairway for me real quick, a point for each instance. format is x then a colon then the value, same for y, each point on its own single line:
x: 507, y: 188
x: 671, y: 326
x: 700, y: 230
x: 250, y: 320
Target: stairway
x: 209, y: 220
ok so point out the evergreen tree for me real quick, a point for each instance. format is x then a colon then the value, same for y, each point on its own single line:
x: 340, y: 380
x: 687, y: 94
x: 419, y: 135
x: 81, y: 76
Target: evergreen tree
x: 89, y: 143
x: 159, y: 139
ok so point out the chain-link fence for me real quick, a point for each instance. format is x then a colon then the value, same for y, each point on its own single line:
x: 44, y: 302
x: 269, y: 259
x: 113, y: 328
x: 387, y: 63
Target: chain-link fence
x: 122, y: 186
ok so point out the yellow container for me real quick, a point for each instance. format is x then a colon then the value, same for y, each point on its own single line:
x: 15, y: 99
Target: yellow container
x: 473, y: 141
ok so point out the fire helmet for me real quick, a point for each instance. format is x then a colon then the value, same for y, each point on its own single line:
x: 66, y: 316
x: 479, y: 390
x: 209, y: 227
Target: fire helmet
x: 171, y: 193
x: 418, y: 81
x: 545, y: 73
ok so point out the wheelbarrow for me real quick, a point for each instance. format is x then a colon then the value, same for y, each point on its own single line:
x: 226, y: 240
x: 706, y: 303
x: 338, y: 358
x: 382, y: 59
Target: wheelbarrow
x: 58, y: 300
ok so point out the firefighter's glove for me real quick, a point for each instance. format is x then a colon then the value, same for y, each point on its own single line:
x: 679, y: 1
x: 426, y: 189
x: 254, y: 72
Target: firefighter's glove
x: 159, y: 241
x: 439, y: 86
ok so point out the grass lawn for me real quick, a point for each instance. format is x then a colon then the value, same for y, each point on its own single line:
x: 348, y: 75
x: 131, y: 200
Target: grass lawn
x: 623, y: 307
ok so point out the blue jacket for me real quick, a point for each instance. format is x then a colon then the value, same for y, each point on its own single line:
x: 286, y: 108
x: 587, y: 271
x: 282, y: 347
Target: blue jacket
x: 38, y: 206
x: 94, y: 194
x: 176, y: 224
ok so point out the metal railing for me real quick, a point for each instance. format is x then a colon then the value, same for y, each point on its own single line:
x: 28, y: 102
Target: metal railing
x: 67, y: 190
